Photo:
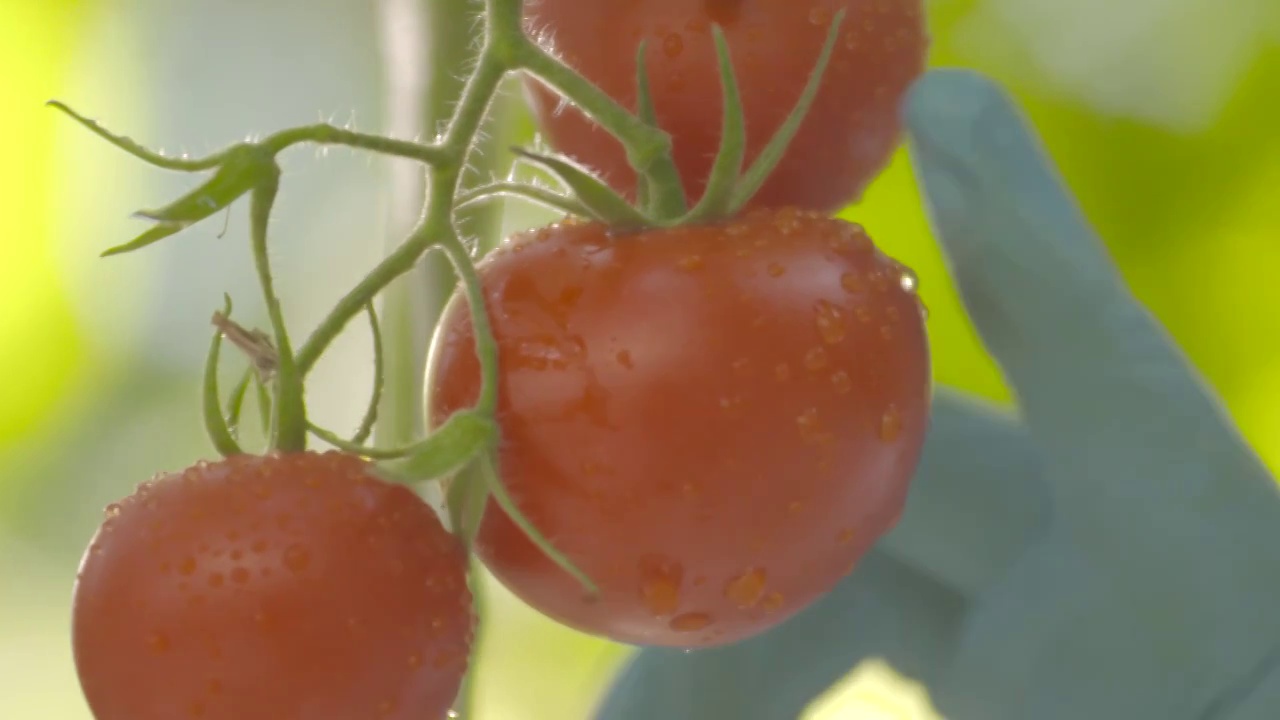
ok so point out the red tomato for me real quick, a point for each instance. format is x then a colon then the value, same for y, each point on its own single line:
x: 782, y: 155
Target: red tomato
x: 851, y: 129
x: 713, y: 422
x: 286, y: 587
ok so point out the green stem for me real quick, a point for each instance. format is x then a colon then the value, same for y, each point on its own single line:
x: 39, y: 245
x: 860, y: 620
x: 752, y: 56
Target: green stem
x: 379, y: 380
x: 326, y: 134
x: 531, y: 193
x: 290, y: 431
x: 648, y: 147
x: 437, y: 222
x: 481, y: 328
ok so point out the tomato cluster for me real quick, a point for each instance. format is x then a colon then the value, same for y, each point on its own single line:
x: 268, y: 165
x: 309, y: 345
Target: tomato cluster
x: 705, y: 421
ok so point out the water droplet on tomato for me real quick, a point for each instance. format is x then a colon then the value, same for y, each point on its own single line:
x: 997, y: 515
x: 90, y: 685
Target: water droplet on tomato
x: 415, y: 661
x: 187, y: 566
x: 112, y: 510
x: 794, y: 507
x: 731, y: 406
x: 850, y: 41
x: 815, y: 359
x: 908, y: 281
x: 782, y: 372
x: 772, y: 602
x: 775, y: 269
x: 660, y: 580
x: 216, y: 580
x: 690, y: 262
x: 863, y: 314
x: 741, y: 367
x: 852, y: 283
x: 830, y: 322
x: 690, y: 622
x: 158, y: 642
x: 845, y: 537
x: 746, y: 589
x: 297, y: 558
x: 672, y: 45
x: 841, y: 382
x: 890, y: 424
x: 624, y: 359
x: 819, y: 15
x: 240, y: 575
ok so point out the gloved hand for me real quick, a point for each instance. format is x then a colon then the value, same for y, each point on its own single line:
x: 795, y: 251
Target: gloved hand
x: 1113, y: 553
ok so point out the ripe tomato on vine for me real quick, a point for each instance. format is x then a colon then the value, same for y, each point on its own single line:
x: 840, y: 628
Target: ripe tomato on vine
x: 268, y: 587
x: 712, y: 422
x: 847, y: 135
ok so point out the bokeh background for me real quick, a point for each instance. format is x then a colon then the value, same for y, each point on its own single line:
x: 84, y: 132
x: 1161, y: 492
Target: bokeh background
x: 1161, y: 113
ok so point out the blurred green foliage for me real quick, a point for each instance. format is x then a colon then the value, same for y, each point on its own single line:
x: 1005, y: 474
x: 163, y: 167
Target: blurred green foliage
x: 1190, y: 216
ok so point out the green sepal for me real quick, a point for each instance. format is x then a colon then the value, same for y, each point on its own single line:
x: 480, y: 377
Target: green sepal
x: 215, y: 422
x: 465, y: 501
x: 599, y: 200
x: 464, y: 436
x: 727, y: 166
x: 750, y: 183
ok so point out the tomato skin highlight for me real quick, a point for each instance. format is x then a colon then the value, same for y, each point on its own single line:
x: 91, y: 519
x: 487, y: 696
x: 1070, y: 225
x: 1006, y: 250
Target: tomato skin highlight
x: 714, y: 423
x: 847, y: 137
x: 279, y: 587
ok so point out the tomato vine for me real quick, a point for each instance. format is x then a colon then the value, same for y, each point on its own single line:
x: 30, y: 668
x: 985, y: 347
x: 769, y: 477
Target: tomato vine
x: 463, y: 447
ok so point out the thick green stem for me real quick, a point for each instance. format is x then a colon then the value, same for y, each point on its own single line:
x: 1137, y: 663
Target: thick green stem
x: 290, y: 421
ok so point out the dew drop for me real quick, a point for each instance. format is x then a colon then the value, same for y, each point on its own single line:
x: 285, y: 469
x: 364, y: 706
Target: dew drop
x: 158, y: 642
x: 690, y: 262
x: 690, y: 622
x: 819, y: 15
x: 216, y: 580
x: 772, y: 602
x: 815, y: 359
x: 782, y: 372
x: 830, y: 322
x: 660, y: 581
x: 890, y: 424
x: 794, y: 507
x: 415, y: 661
x: 187, y: 566
x: 852, y: 283
x: 624, y: 359
x: 845, y: 537
x: 775, y: 269
x: 908, y: 281
x: 741, y: 367
x: 731, y: 406
x: 841, y: 382
x: 672, y: 45
x: 112, y: 510
x: 239, y: 575
x: 746, y: 589
x: 296, y: 558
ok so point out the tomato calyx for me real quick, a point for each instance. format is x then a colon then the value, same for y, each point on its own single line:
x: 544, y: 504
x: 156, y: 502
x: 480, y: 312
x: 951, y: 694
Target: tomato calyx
x: 728, y: 188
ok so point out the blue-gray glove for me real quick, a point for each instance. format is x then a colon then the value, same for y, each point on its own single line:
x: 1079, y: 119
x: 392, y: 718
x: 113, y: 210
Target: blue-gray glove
x: 1113, y: 553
